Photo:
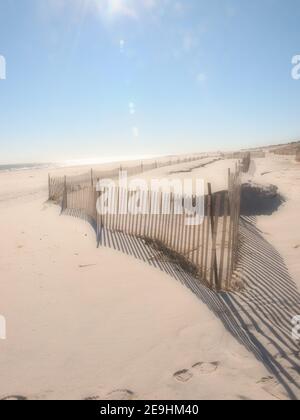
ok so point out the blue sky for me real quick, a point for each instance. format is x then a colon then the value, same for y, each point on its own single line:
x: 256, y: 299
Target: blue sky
x: 98, y: 78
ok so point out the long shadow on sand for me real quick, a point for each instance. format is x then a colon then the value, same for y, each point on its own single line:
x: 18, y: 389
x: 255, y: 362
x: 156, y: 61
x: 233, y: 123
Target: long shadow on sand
x: 259, y: 316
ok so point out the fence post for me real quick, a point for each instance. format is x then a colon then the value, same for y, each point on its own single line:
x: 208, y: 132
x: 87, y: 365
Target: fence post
x: 224, y: 231
x: 49, y: 187
x: 214, y: 256
x: 230, y: 237
x: 65, y: 197
x: 92, y: 178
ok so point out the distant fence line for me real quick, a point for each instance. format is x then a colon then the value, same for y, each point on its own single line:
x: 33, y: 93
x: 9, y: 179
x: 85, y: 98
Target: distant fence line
x: 209, y: 250
x: 241, y: 155
x: 288, y: 150
x: 56, y: 184
x: 284, y: 152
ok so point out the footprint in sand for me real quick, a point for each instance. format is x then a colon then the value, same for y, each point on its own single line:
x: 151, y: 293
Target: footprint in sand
x: 120, y: 394
x: 14, y: 398
x: 203, y: 368
x: 183, y: 375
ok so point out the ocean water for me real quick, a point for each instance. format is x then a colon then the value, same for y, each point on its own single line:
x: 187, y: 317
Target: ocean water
x: 24, y: 166
x: 108, y: 159
x: 75, y: 162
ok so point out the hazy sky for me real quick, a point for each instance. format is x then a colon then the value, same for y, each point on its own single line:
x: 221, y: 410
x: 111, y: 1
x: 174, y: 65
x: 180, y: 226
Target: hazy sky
x: 95, y: 78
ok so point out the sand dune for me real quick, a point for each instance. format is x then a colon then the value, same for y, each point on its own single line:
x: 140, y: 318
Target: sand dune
x: 95, y: 323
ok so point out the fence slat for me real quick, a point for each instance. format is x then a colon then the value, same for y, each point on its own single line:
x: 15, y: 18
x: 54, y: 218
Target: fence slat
x: 223, y: 243
x: 214, y: 263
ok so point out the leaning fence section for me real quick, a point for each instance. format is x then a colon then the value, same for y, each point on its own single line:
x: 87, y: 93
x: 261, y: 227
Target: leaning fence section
x: 209, y: 249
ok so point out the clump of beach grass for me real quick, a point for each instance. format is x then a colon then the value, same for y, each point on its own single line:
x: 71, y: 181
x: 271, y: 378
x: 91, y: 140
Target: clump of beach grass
x: 174, y: 257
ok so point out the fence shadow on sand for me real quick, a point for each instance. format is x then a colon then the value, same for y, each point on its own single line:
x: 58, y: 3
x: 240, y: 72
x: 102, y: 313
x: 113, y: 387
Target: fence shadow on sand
x: 259, y: 316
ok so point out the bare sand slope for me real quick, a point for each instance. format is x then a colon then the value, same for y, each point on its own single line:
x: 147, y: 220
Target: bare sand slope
x: 270, y: 271
x: 282, y: 229
x: 85, y: 322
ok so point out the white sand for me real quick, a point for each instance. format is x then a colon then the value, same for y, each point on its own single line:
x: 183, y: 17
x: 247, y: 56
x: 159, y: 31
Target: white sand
x: 85, y: 322
x: 282, y: 229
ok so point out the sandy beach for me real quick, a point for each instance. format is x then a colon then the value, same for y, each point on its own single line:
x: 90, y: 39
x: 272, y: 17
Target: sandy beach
x: 94, y: 323
x: 149, y: 202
